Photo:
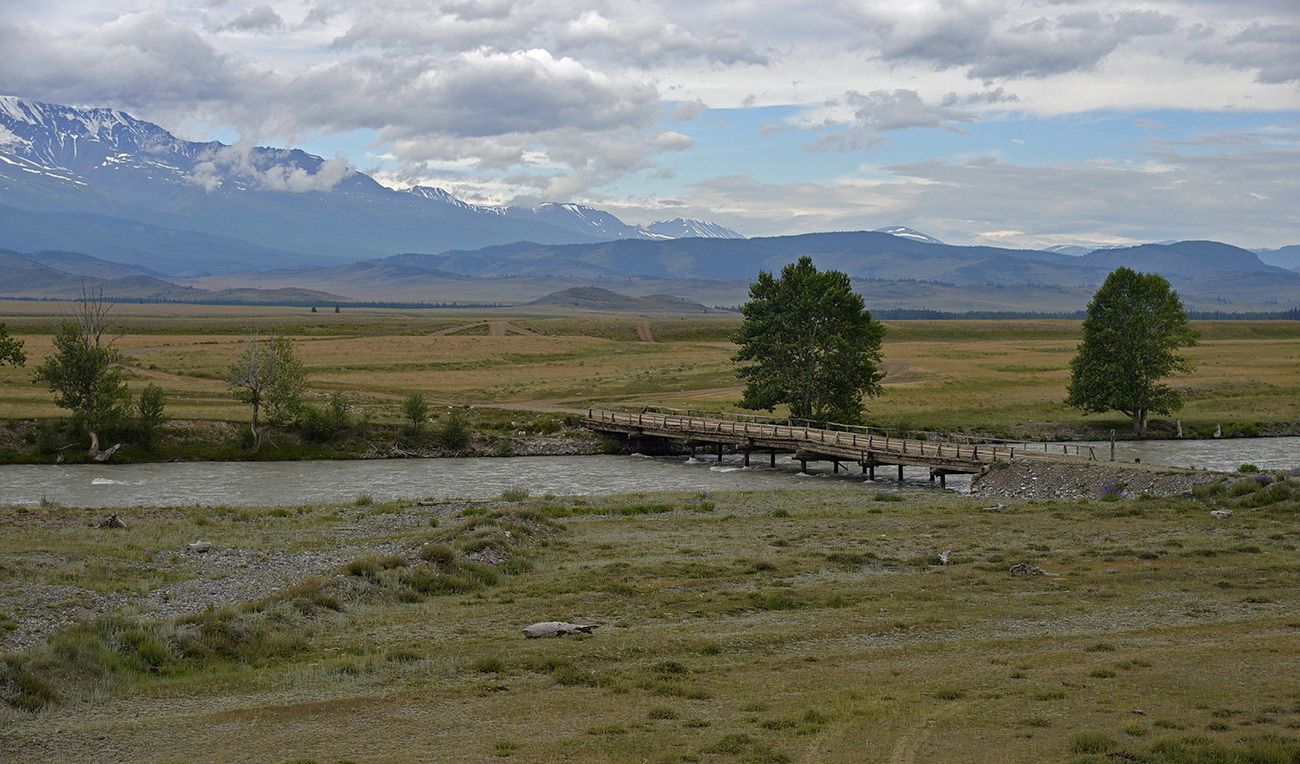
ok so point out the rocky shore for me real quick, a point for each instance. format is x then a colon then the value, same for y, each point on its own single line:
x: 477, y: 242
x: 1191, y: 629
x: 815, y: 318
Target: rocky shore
x: 1031, y: 480
x: 219, y: 576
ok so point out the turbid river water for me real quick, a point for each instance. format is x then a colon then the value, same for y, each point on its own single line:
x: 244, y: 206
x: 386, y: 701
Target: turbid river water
x: 294, y: 483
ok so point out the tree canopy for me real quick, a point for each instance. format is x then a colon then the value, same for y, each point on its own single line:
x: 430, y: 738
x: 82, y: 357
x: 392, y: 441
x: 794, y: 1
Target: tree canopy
x: 1131, y: 336
x: 267, y: 374
x: 11, y: 350
x: 808, y: 342
x: 83, y: 370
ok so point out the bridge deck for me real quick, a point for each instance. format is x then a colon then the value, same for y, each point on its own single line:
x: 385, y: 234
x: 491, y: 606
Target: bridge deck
x: 860, y: 445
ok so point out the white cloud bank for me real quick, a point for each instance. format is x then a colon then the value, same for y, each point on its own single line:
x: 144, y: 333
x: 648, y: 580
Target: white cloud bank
x: 568, y: 100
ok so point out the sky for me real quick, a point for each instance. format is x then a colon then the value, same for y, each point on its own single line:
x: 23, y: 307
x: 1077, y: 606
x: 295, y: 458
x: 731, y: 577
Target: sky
x: 1023, y: 123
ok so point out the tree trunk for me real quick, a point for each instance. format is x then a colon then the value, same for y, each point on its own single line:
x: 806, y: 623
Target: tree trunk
x: 257, y: 435
x: 94, y: 442
x: 1140, y: 423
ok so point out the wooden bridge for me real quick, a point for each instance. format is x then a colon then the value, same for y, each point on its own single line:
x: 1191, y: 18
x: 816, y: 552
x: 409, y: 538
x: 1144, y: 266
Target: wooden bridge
x: 811, y: 441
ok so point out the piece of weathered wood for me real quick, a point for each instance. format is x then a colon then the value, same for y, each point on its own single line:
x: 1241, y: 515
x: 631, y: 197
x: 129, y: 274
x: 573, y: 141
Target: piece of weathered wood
x: 103, y: 456
x: 198, y: 547
x: 112, y: 521
x: 556, y: 629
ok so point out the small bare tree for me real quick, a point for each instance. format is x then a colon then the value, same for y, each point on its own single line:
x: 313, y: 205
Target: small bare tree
x: 267, y: 375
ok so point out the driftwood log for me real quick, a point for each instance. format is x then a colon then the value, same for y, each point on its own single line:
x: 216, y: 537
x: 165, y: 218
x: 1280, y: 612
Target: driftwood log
x: 103, y: 456
x: 199, y: 547
x: 112, y: 521
x: 556, y: 629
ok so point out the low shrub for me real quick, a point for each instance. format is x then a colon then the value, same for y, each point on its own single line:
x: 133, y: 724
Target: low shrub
x: 1091, y: 742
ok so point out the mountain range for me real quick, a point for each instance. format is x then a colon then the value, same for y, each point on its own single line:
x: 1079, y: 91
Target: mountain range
x: 100, y: 182
x: 96, y: 193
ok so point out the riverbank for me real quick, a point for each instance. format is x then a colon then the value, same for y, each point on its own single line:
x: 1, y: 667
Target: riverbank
x: 489, y: 432
x: 1035, y: 480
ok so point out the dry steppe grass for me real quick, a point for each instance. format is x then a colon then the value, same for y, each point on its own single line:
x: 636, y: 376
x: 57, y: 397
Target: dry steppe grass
x: 1004, y: 377
x: 813, y: 626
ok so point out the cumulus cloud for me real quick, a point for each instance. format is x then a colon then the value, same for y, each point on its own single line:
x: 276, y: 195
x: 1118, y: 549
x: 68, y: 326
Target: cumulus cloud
x: 559, y: 97
x: 688, y: 111
x: 1272, y: 50
x: 247, y: 166
x: 144, y: 62
x: 644, y: 36
x: 262, y: 19
x: 880, y: 111
x: 629, y: 33
x: 672, y: 141
x: 991, y: 41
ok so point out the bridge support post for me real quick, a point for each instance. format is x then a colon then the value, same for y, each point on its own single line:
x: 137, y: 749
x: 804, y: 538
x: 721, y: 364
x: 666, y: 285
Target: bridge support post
x: 943, y: 481
x: 803, y: 466
x: 746, y: 458
x: 900, y: 473
x: 871, y: 472
x: 773, y: 455
x: 835, y: 469
x: 931, y: 475
x: 719, y: 452
x: 692, y: 452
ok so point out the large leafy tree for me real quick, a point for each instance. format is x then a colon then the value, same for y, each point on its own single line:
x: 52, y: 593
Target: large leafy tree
x: 808, y: 342
x: 267, y: 375
x: 83, y: 370
x: 1131, y: 336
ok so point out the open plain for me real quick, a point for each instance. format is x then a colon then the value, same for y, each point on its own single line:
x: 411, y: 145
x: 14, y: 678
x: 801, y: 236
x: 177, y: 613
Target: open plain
x: 856, y: 623
x: 997, y: 377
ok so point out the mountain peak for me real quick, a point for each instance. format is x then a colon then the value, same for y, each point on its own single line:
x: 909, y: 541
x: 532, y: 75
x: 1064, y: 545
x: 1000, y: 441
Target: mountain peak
x: 688, y: 228
x: 904, y: 232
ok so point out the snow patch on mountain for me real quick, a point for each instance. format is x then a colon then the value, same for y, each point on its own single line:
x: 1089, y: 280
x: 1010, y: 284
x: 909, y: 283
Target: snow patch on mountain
x: 908, y: 233
x: 688, y: 228
x: 587, y: 220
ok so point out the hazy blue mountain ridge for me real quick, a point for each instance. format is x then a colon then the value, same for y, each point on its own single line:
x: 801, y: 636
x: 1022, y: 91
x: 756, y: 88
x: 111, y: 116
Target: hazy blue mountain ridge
x: 109, y: 185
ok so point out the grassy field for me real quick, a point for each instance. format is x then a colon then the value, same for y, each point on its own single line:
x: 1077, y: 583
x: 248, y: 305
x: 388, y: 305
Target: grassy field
x: 746, y: 627
x: 810, y: 626
x: 1004, y: 377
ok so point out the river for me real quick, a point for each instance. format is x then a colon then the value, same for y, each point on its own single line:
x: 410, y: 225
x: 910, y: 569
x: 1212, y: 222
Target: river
x: 321, y: 482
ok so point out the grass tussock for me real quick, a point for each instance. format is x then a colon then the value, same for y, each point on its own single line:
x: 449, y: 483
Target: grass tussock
x: 474, y: 555
x: 1275, y: 491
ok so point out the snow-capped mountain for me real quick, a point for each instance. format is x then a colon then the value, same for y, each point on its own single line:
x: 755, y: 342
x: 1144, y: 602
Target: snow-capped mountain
x: 589, y: 220
x: 1068, y: 249
x: 687, y: 228
x: 101, y: 182
x: 580, y: 218
x: 908, y: 233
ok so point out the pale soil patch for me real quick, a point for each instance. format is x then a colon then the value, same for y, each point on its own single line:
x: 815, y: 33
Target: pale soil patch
x: 1031, y: 480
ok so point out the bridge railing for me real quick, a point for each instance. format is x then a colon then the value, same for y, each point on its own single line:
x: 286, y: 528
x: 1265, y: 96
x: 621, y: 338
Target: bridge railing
x: 861, y: 436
